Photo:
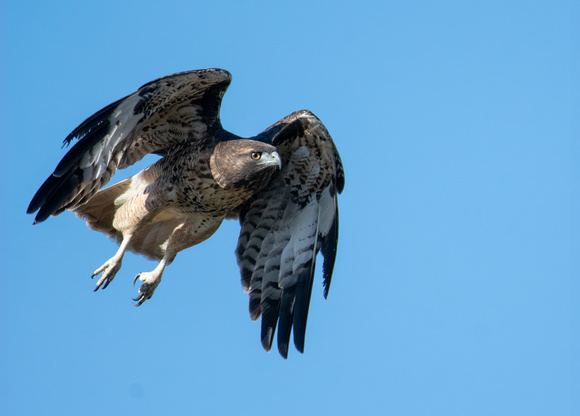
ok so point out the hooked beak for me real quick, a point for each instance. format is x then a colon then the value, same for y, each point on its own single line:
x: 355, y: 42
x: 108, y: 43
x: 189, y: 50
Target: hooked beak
x: 272, y: 159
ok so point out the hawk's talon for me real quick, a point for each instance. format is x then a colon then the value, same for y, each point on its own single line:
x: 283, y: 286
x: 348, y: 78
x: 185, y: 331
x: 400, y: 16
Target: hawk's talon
x: 150, y: 282
x: 109, y: 270
x: 140, y: 301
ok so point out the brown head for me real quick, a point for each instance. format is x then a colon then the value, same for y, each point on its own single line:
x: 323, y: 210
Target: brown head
x: 244, y: 163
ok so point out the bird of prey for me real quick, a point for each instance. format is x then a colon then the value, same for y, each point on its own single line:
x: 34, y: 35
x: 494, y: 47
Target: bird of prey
x: 281, y: 184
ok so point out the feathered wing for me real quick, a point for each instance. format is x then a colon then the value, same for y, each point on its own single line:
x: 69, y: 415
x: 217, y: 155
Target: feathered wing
x: 285, y: 226
x: 162, y: 114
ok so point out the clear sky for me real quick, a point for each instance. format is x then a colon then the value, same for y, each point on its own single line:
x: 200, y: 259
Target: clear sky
x: 456, y: 285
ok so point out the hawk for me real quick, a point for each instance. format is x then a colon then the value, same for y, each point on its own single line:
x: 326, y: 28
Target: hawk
x: 281, y: 184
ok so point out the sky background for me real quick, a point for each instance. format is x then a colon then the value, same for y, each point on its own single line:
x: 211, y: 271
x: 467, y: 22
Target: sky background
x: 456, y: 286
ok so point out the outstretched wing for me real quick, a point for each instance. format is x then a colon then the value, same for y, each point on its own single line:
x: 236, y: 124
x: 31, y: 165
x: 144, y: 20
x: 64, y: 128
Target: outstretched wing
x: 164, y: 113
x: 285, y: 226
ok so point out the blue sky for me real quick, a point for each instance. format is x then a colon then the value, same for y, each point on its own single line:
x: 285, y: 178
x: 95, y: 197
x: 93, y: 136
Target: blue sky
x: 456, y: 285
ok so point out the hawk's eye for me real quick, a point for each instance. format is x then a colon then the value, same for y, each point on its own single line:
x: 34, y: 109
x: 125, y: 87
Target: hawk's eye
x: 256, y: 155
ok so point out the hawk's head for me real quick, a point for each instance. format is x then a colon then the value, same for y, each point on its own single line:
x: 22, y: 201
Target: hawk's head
x: 244, y: 163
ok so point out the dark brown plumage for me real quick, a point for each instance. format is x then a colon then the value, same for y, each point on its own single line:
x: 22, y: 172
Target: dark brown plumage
x: 282, y: 185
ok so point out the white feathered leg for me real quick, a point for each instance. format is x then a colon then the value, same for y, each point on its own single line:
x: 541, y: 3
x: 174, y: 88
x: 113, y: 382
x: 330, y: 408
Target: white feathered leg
x: 139, y: 208
x: 192, y: 231
x: 112, y: 266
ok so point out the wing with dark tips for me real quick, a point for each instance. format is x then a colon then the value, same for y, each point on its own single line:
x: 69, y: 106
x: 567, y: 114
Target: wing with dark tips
x: 164, y: 113
x: 285, y: 226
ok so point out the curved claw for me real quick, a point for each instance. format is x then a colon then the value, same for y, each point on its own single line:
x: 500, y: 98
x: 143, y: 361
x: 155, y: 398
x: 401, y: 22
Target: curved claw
x: 109, y: 270
x: 139, y: 302
x: 141, y: 298
x: 102, y: 283
x: 150, y: 282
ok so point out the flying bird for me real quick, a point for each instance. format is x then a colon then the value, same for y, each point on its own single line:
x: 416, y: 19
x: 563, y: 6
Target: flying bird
x: 281, y: 185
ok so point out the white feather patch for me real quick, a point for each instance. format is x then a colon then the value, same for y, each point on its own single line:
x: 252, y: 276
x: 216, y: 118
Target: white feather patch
x: 297, y: 252
x: 95, y: 162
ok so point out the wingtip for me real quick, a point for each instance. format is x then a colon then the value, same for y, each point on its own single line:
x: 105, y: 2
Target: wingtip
x: 36, y: 220
x: 267, y: 339
x: 283, y: 350
x: 299, y: 342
